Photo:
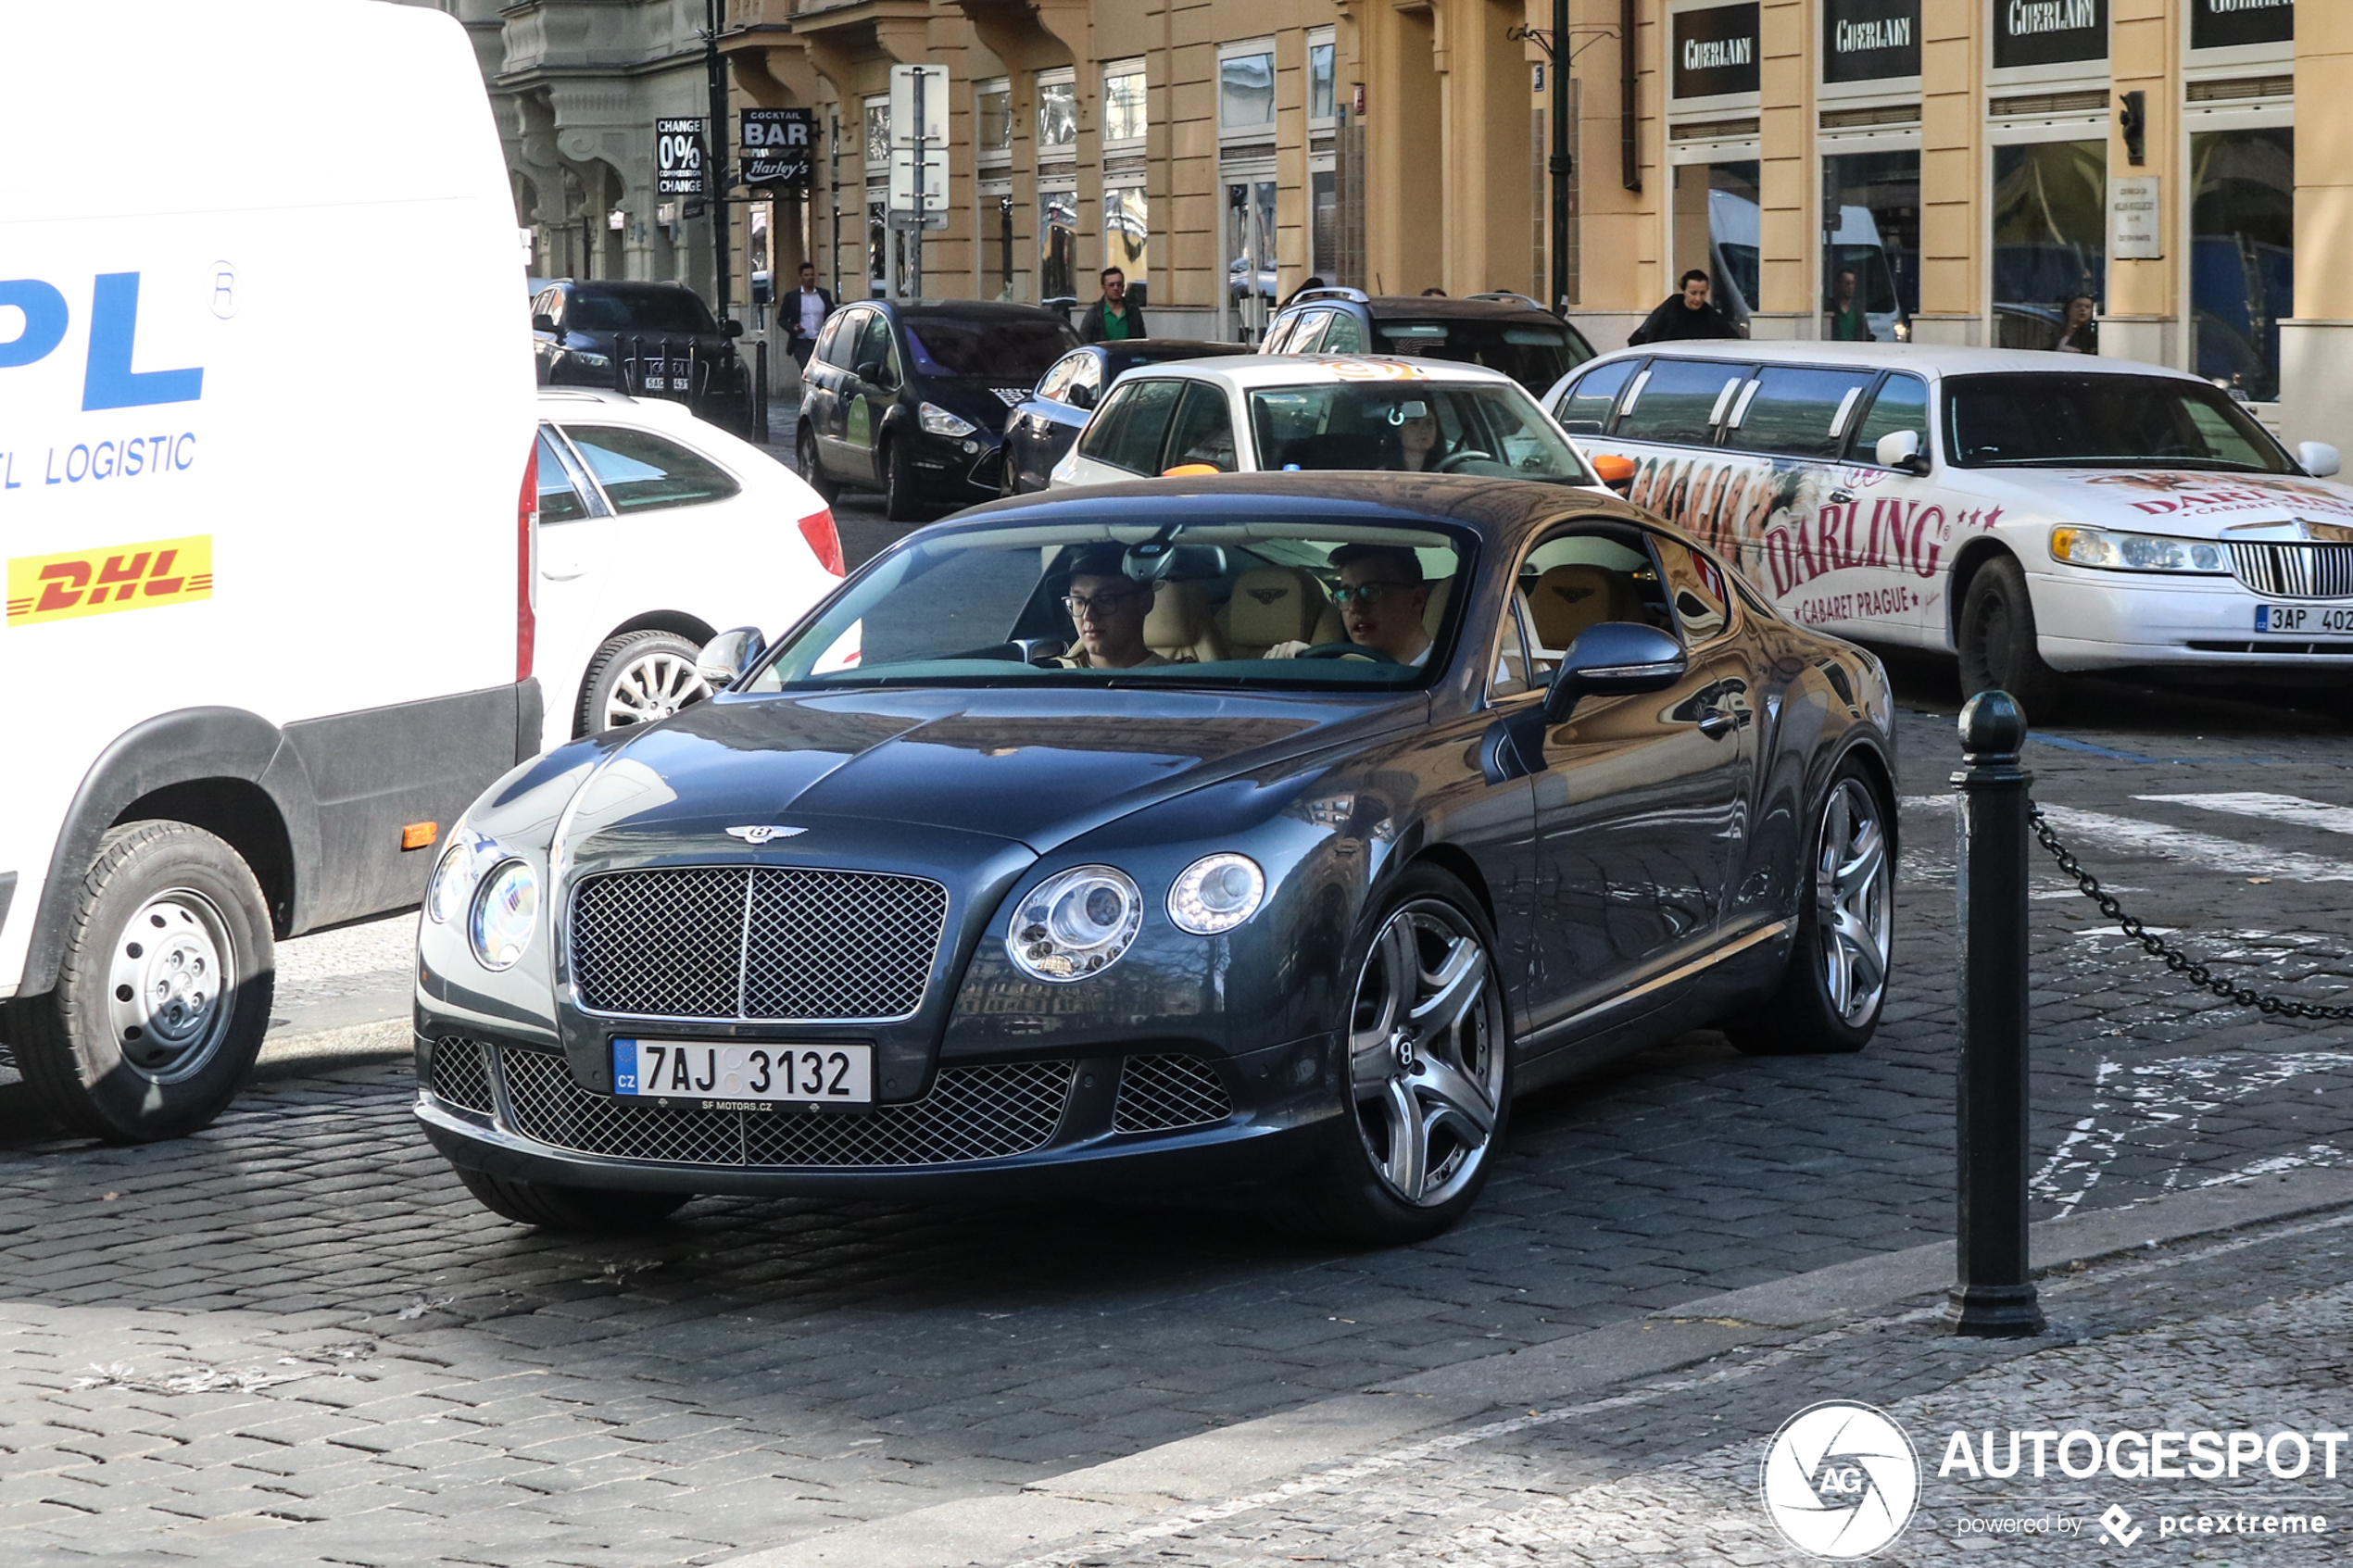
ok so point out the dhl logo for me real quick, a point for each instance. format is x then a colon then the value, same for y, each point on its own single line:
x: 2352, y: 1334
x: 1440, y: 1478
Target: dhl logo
x: 113, y: 577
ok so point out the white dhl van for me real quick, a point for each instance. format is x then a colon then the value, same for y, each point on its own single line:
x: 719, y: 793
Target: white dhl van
x: 274, y: 596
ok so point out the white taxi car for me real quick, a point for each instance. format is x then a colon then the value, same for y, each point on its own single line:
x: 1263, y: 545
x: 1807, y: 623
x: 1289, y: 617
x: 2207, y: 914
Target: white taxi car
x: 2032, y: 513
x: 1256, y: 412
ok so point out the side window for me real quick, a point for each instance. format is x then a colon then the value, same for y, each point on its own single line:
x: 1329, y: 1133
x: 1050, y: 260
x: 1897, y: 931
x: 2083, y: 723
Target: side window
x: 1089, y: 373
x: 1900, y: 404
x: 1796, y: 412
x: 1307, y: 332
x: 1127, y: 431
x: 1580, y: 577
x: 1514, y: 671
x: 1681, y: 400
x: 1697, y: 588
x: 548, y: 303
x: 1345, y: 335
x: 1055, y: 384
x: 1204, y: 430
x: 839, y: 336
x: 1586, y: 407
x: 560, y: 500
x: 641, y: 471
x: 874, y: 346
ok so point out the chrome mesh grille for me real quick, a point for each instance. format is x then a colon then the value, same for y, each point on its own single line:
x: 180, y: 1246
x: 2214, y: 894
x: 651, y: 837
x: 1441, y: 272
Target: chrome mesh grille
x: 1159, y: 1092
x: 460, y: 1076
x: 2295, y: 572
x: 987, y: 1113
x: 779, y: 942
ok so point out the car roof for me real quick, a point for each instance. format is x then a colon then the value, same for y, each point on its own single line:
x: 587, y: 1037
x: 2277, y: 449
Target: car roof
x: 623, y: 285
x: 1169, y: 347
x: 1294, y: 369
x: 1923, y: 359
x: 964, y: 309
x: 1435, y: 306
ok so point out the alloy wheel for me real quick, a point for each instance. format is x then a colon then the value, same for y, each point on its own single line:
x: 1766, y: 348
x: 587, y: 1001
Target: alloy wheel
x: 651, y: 687
x: 1852, y: 880
x: 1426, y: 1046
x: 171, y: 985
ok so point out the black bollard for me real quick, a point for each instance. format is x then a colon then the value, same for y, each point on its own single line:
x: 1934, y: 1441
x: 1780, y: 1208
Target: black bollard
x: 1994, y: 1295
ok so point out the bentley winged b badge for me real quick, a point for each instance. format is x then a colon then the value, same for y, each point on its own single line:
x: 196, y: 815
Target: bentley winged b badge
x: 760, y: 832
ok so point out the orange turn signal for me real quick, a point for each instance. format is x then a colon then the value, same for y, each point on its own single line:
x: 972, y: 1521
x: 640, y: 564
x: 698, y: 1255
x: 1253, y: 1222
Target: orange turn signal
x: 1614, y: 471
x: 420, y: 835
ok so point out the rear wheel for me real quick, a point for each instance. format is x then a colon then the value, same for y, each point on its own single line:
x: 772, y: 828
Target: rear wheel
x: 1829, y: 1000
x: 638, y: 677
x: 163, y: 994
x: 591, y: 1210
x: 805, y: 455
x: 1996, y: 639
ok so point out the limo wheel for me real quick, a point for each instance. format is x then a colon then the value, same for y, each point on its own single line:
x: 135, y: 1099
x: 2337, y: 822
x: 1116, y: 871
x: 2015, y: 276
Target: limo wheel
x: 1831, y: 997
x: 638, y: 677
x: 1429, y: 1068
x: 805, y: 456
x: 163, y: 994
x: 1997, y: 640
x: 589, y: 1209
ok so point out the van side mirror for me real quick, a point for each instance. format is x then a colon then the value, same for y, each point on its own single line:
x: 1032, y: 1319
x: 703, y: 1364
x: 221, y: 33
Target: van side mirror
x: 728, y: 655
x: 1084, y: 397
x: 1609, y: 659
x: 543, y: 323
x: 731, y: 328
x: 1901, y: 449
x: 2319, y: 458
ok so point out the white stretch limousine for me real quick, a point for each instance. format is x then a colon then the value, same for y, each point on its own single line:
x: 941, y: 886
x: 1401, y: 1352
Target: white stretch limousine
x: 2031, y: 512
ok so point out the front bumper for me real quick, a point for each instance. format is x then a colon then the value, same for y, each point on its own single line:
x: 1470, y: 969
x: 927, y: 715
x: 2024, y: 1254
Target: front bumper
x: 2089, y: 620
x: 946, y: 473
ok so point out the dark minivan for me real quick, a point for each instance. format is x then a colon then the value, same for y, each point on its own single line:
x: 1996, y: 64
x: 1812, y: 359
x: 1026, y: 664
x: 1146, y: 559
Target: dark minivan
x: 907, y: 396
x: 575, y: 323
x: 1040, y: 429
x: 1503, y: 332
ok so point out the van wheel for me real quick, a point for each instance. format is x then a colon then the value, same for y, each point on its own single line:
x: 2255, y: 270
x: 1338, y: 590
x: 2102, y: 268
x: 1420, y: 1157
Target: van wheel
x: 805, y: 455
x: 1997, y: 639
x: 163, y: 994
x: 588, y: 1210
x: 1836, y: 984
x: 638, y: 677
x: 898, y: 484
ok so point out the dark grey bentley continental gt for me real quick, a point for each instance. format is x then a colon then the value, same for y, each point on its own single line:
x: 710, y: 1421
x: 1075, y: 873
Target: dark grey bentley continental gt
x: 1264, y: 831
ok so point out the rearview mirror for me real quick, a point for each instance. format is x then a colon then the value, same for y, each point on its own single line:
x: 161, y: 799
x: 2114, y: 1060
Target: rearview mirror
x: 2320, y: 459
x: 1612, y: 658
x: 543, y: 323
x: 728, y: 655
x: 1900, y: 449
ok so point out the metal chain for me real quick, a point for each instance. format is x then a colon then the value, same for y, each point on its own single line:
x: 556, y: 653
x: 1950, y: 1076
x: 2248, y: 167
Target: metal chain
x: 2175, y: 959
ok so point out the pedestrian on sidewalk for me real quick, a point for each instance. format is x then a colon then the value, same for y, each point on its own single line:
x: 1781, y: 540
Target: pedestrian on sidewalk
x: 805, y: 311
x: 1112, y: 318
x: 1684, y: 315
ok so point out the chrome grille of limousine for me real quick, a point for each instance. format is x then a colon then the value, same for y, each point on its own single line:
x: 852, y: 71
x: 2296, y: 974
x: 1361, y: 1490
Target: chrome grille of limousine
x: 2295, y: 572
x: 781, y: 944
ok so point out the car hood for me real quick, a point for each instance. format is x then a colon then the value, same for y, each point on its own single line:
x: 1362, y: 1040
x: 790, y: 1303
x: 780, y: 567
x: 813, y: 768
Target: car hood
x: 2187, y: 503
x: 1035, y: 766
x: 982, y: 399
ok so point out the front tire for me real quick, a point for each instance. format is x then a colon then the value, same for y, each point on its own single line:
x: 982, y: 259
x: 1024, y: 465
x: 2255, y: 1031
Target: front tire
x: 163, y: 994
x: 638, y: 677
x: 899, y: 477
x: 586, y: 1211
x: 1997, y: 639
x: 805, y: 455
x: 1428, y: 1057
x: 1831, y: 997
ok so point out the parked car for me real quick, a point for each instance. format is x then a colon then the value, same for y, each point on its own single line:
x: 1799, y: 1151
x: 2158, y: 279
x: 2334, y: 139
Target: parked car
x: 909, y: 396
x: 915, y: 907
x: 2030, y: 513
x: 287, y: 617
x: 1041, y: 427
x: 623, y: 610
x: 579, y: 328
x: 1255, y: 412
x: 1531, y: 345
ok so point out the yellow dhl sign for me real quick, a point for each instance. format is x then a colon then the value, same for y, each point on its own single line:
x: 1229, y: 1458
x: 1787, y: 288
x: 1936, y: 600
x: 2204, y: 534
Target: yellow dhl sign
x: 112, y: 577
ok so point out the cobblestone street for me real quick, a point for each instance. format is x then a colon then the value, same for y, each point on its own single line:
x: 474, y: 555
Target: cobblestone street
x: 297, y: 1331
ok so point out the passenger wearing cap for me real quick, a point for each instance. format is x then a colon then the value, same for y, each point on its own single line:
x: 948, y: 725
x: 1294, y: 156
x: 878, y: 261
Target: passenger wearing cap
x: 1381, y: 595
x: 1108, y: 608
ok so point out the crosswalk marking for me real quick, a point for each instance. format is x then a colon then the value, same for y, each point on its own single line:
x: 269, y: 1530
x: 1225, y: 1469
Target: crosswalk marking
x: 2137, y: 837
x: 2257, y: 803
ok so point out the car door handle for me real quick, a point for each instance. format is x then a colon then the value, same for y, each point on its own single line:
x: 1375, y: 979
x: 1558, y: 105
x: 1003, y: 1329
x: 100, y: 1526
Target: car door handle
x: 1842, y: 498
x: 1715, y: 723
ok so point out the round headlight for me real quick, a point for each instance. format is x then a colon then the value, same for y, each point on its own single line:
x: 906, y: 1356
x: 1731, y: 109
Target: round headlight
x: 1216, y: 892
x: 1075, y: 924
x: 505, y: 912
x: 453, y: 882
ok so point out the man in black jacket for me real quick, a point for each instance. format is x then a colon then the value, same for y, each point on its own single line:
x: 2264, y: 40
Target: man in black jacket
x: 1113, y: 317
x: 1687, y: 314
x: 804, y: 311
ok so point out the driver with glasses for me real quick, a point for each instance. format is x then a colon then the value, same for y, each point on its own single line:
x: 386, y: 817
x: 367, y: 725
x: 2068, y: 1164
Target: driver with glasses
x: 1109, y: 609
x: 1381, y: 595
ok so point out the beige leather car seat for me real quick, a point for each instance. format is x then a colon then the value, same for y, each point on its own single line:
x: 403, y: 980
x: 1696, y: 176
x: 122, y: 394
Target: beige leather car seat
x: 1568, y: 599
x: 1180, y: 625
x: 1270, y: 604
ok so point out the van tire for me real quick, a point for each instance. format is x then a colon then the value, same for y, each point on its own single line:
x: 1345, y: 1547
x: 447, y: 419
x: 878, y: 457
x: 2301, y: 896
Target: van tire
x: 641, y: 670
x: 200, y: 998
x: 586, y: 1210
x: 898, y: 478
x: 1997, y: 640
x: 811, y: 468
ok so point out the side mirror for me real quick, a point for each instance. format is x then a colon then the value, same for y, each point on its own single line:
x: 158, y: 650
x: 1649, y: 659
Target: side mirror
x: 731, y: 328
x: 1901, y: 449
x: 1614, y: 657
x: 868, y: 371
x: 2320, y: 459
x: 543, y: 323
x: 728, y: 655
x: 1084, y: 397
x: 1615, y: 471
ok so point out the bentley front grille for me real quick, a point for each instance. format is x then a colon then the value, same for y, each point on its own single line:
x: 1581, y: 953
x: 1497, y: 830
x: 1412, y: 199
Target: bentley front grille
x: 1157, y: 1093
x: 460, y: 1076
x: 987, y: 1113
x: 2295, y: 572
x: 784, y: 944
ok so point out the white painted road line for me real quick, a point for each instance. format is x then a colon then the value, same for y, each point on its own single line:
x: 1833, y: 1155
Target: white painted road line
x: 2137, y: 837
x: 2277, y: 808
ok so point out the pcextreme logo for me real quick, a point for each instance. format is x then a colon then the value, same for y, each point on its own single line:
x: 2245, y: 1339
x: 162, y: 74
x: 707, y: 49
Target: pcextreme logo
x: 112, y: 577
x: 1840, y: 1480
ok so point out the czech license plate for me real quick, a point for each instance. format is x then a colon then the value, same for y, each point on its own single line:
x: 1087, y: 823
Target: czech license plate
x: 657, y: 384
x: 712, y: 1070
x: 2304, y: 617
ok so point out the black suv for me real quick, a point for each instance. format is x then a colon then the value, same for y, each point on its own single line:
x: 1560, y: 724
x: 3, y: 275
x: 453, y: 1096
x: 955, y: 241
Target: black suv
x: 575, y: 323
x: 907, y: 396
x: 1503, y: 331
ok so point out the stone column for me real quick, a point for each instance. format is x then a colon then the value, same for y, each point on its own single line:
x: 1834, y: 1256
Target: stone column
x: 2145, y: 297
x: 2316, y: 344
x: 1953, y: 233
x: 1790, y: 177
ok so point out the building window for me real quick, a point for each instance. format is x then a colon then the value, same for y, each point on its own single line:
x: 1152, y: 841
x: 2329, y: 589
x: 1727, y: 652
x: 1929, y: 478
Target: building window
x: 1871, y: 262
x: 2242, y: 255
x: 1321, y: 105
x: 1246, y: 89
x: 2050, y: 238
x: 1128, y: 235
x: 993, y: 120
x: 1323, y: 225
x: 1717, y: 229
x: 878, y: 136
x: 1123, y: 105
x: 1057, y: 244
x: 1057, y: 112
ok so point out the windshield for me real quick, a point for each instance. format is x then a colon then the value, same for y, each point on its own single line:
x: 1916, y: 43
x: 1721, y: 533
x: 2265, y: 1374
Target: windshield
x: 1314, y: 604
x: 2102, y: 421
x: 1535, y: 353
x: 647, y: 310
x: 1403, y: 425
x: 1009, y: 351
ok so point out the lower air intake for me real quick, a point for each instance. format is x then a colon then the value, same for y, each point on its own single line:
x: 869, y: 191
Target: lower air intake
x: 461, y: 1076
x: 1157, y: 1093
